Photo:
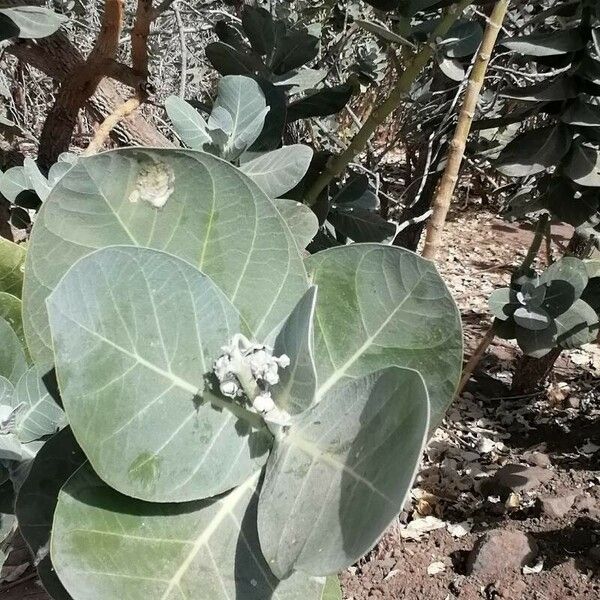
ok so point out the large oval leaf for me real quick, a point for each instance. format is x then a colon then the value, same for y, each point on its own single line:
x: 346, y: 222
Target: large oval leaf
x: 278, y: 171
x: 301, y: 220
x: 33, y: 21
x: 136, y: 332
x: 380, y: 306
x: 105, y: 545
x: 187, y: 203
x: 340, y: 473
x: 12, y: 358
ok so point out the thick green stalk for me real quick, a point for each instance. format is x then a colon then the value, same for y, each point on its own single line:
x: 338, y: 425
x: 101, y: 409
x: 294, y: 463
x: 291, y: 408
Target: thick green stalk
x: 336, y: 165
x: 534, y: 248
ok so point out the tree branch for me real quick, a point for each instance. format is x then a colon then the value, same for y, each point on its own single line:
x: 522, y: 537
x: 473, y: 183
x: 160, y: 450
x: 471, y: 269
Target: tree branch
x: 336, y: 165
x: 79, y: 86
x: 443, y: 197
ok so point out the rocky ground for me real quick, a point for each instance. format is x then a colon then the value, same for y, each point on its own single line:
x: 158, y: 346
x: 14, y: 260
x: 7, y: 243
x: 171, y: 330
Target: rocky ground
x: 507, y: 502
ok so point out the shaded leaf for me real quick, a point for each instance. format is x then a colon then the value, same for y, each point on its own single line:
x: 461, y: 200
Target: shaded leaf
x: 565, y: 280
x: 137, y: 331
x: 463, y: 39
x: 360, y: 225
x: 258, y: 26
x: 568, y: 205
x: 358, y: 447
x: 274, y: 125
x: 583, y: 165
x: 323, y: 103
x: 231, y: 61
x: 357, y: 193
x: 536, y: 343
x: 383, y: 33
x: 534, y: 151
x: 56, y: 461
x: 559, y: 88
x: 582, y: 114
x: 295, y: 49
x: 547, y: 44
x: 298, y: 383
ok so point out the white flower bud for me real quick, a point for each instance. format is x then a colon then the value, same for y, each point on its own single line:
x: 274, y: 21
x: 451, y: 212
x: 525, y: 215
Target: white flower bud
x: 263, y: 403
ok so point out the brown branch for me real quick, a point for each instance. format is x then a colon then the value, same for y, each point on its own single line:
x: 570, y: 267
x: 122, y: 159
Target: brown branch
x: 56, y: 56
x: 139, y: 37
x: 80, y: 85
x: 109, y: 123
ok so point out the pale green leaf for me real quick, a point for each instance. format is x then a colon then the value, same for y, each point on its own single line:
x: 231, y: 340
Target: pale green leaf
x: 33, y: 21
x: 136, y: 333
x: 244, y: 101
x: 105, y: 545
x: 12, y: 258
x: 7, y: 389
x: 279, y: 171
x: 340, y: 472
x: 298, y: 382
x: 11, y: 311
x: 332, y: 590
x: 12, y: 358
x: 39, y: 414
x: 301, y: 220
x: 187, y: 122
x: 577, y: 326
x: 380, y: 306
x: 206, y: 212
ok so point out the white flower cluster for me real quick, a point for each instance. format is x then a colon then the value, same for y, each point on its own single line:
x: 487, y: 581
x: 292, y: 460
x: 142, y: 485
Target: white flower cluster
x: 248, y: 369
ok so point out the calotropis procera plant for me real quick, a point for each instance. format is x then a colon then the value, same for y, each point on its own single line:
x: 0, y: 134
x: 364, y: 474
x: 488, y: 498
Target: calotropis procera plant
x: 242, y: 421
x: 555, y: 309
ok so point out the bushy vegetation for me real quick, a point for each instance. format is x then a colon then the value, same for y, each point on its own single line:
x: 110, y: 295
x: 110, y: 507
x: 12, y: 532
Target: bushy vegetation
x: 220, y: 355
